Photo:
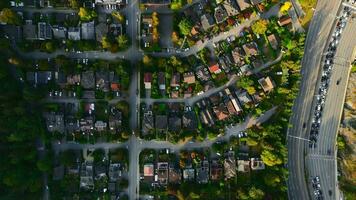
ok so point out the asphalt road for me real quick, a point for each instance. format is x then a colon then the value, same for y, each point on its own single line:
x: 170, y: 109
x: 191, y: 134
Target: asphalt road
x: 320, y: 162
x: 319, y: 29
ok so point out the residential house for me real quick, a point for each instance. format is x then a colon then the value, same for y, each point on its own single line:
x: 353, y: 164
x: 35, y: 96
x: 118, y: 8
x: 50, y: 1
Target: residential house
x: 224, y: 63
x: 257, y: 164
x: 148, y: 172
x: 188, y: 92
x: 221, y: 112
x: 29, y: 30
x: 88, y: 31
x: 162, y: 82
x: 86, y: 124
x: 220, y: 14
x: 215, y: 69
x: 190, y: 121
x: 175, y: 81
x: 59, y: 32
x: 147, y: 124
x: 12, y: 32
x: 207, y: 21
x: 243, y: 4
x: 250, y: 49
x: 54, y: 122
x: 230, y: 165
x: 202, y: 73
x: 188, y: 174
x: 230, y: 108
x: 44, y: 31
x: 266, y: 84
x: 100, y: 126
x: 87, y: 80
x: 243, y: 165
x: 43, y: 77
x: 207, y: 117
x: 175, y: 124
x: 102, y: 80
x: 114, y: 82
x: 72, y: 124
x: 147, y: 79
x: 244, y: 97
x: 109, y: 3
x: 273, y: 41
x: 216, y: 170
x: 215, y: 99
x: 73, y: 79
x: 100, y: 31
x: 100, y: 170
x: 115, y: 171
x: 86, y: 176
x: 74, y: 33
x: 235, y: 104
x: 255, y: 2
x: 189, y: 78
x: 230, y: 7
x: 115, y: 119
x: 203, y: 172
x: 161, y: 122
x: 284, y: 20
x: 162, y: 172
x: 175, y: 174
x: 238, y: 56
x: 115, y: 29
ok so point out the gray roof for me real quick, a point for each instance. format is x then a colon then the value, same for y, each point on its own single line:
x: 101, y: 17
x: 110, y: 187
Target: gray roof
x: 175, y: 124
x: 231, y: 7
x: 74, y: 33
x: 59, y: 32
x: 161, y: 122
x: 243, y: 4
x: 190, y: 121
x: 220, y: 14
x: 207, y: 21
x: 101, y: 30
x: 29, y: 30
x: 88, y: 80
x: 44, y: 31
x: 88, y: 31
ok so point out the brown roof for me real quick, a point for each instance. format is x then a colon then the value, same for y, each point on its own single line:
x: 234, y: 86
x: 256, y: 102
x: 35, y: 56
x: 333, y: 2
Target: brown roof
x: 250, y: 49
x: 221, y: 112
x: 273, y: 41
x: 147, y: 77
x: 189, y: 78
x: 284, y: 20
x: 266, y: 83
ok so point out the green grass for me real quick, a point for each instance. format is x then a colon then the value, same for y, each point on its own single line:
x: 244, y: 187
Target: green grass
x: 353, y: 69
x: 307, y: 6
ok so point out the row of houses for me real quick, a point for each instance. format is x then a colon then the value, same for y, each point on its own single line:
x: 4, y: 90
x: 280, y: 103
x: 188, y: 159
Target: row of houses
x: 162, y: 173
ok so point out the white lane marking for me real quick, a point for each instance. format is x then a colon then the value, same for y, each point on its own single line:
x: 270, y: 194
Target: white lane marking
x: 298, y: 138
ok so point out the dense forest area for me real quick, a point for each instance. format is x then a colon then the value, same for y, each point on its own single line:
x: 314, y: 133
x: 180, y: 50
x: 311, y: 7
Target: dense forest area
x: 20, y: 127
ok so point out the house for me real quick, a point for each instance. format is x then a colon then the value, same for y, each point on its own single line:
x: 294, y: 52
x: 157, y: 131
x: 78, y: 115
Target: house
x: 257, y: 164
x: 100, y: 126
x: 189, y: 78
x: 188, y: 174
x: 109, y: 3
x: 100, y: 170
x: 215, y: 99
x: 266, y: 84
x: 230, y: 165
x: 114, y: 82
x: 238, y: 56
x: 29, y: 30
x: 221, y: 112
x: 273, y: 41
x: 73, y: 79
x: 162, y: 172
x: 220, y: 14
x: 243, y: 4
x: 86, y: 176
x: 244, y: 97
x: 175, y: 81
x: 148, y: 172
x: 215, y: 69
x: 161, y: 122
x: 161, y: 82
x: 230, y: 108
x: 230, y: 7
x: 59, y: 32
x: 72, y: 124
x: 255, y: 2
x: 207, y: 21
x: 235, y: 104
x: 216, y: 170
x: 202, y: 73
x: 44, y: 31
x: 74, y: 33
x: 102, y: 80
x: 250, y: 49
x: 284, y: 20
x: 175, y: 174
x: 112, y: 187
x: 175, y: 124
x: 86, y: 124
x: 147, y: 124
x: 54, y: 122
x: 87, y: 80
x: 224, y: 63
x: 190, y: 121
x: 115, y: 29
x: 114, y: 171
x: 243, y: 165
x: 100, y: 31
x: 203, y: 172
x: 147, y: 79
x: 207, y: 117
x: 43, y: 77
x: 88, y: 31
x: 115, y: 119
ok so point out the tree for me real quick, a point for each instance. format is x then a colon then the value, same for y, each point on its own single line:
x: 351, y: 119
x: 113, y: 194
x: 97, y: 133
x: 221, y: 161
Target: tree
x: 285, y: 7
x: 260, y: 26
x: 155, y: 20
x: 270, y: 158
x: 255, y: 193
x: 271, y: 179
x: 185, y: 26
x: 74, y: 4
x: 49, y: 46
x: 119, y: 17
x: 105, y: 43
x: 122, y: 41
x: 9, y: 17
x: 86, y: 14
x: 147, y: 61
x: 175, y: 37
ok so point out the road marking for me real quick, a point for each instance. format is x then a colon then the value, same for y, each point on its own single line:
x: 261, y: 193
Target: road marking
x: 298, y: 138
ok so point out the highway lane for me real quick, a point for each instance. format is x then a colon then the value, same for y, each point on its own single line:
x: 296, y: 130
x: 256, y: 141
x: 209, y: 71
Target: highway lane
x: 326, y: 168
x: 319, y: 30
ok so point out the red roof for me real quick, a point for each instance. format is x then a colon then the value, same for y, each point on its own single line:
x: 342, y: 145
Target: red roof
x: 115, y: 86
x: 214, y: 68
x: 147, y: 77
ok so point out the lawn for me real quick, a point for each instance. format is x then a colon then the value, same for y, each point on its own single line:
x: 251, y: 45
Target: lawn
x: 307, y: 6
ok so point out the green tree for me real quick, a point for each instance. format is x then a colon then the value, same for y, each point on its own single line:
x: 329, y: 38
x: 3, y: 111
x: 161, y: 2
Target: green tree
x: 86, y: 14
x: 185, y: 26
x: 105, y: 42
x: 74, y: 4
x: 260, y: 26
x: 255, y: 193
x: 270, y: 158
x: 9, y: 17
x: 122, y: 41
